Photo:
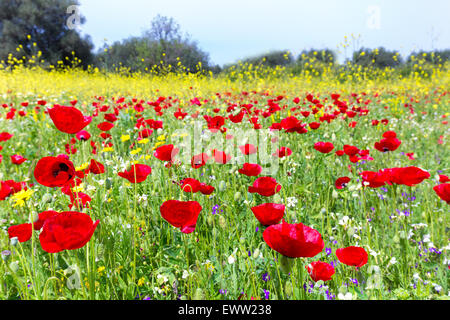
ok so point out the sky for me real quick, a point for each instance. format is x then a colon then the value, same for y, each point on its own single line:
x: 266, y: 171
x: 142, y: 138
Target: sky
x: 235, y: 29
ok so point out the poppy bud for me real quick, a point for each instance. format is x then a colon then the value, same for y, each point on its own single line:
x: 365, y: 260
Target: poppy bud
x: 14, y: 266
x: 34, y: 217
x: 256, y: 253
x: 222, y: 222
x: 210, y: 220
x: 334, y: 194
x: 47, y: 198
x: 5, y: 255
x: 237, y: 196
x: 222, y: 186
x: 14, y: 241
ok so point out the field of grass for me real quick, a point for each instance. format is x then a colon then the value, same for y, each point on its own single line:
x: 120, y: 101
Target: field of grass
x: 135, y: 253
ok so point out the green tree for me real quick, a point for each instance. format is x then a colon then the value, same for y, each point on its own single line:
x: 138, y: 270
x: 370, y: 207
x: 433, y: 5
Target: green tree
x: 272, y: 59
x: 36, y: 26
x: 378, y: 58
x: 326, y: 56
x: 163, y: 45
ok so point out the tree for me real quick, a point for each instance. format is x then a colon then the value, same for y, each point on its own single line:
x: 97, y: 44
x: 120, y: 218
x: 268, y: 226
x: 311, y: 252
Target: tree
x: 326, y: 56
x: 272, y: 59
x: 379, y: 58
x: 163, y: 42
x: 39, y: 28
x: 437, y: 57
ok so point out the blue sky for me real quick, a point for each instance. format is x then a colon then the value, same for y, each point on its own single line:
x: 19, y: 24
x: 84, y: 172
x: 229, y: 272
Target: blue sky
x: 234, y: 29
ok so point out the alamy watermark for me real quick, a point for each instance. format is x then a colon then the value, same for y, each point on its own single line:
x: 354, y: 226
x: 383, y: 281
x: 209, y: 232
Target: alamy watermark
x: 74, y: 20
x: 374, y: 19
x: 233, y: 147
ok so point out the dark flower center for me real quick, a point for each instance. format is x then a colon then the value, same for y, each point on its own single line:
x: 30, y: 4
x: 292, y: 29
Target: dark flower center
x: 63, y: 167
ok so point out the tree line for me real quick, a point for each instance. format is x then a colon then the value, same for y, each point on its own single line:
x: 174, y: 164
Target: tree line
x: 37, y: 31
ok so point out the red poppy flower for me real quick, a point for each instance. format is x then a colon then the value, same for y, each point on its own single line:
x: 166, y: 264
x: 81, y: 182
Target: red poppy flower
x: 319, y: 270
x: 206, y: 189
x: 282, y: 152
x: 215, y: 123
x: 111, y: 117
x: 22, y: 231
x: 79, y: 200
x: 145, y: 133
x: 190, y: 185
x: 105, y: 126
x: 341, y: 182
x: 5, y: 190
x: 314, y: 125
x: 251, y: 170
x: 294, y: 240
x: 18, y: 159
x: 236, y: 118
x: 350, y: 150
x: 199, y: 160
x: 389, y: 143
x: 443, y: 178
x: 443, y: 191
x: 5, y: 136
x: 67, y: 231
x: 181, y: 214
x: 265, y: 186
x: 42, y: 217
x: 221, y: 157
x: 96, y: 167
x: 409, y: 176
x: 166, y: 152
x: 67, y: 119
x: 269, y: 213
x: 54, y: 171
x: 137, y: 173
x: 248, y: 149
x: 83, y: 135
x: 374, y: 179
x: 292, y: 124
x: 352, y: 256
x: 324, y: 147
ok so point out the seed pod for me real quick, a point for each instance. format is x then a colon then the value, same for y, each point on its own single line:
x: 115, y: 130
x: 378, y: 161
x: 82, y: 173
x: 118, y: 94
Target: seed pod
x: 210, y: 220
x: 47, y: 198
x: 34, y: 217
x: 14, y: 266
x: 5, y: 255
x: 14, y: 241
x: 256, y: 253
x: 222, y: 222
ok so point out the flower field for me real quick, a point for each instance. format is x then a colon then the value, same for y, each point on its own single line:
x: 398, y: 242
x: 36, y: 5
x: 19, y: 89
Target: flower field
x: 251, y: 185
